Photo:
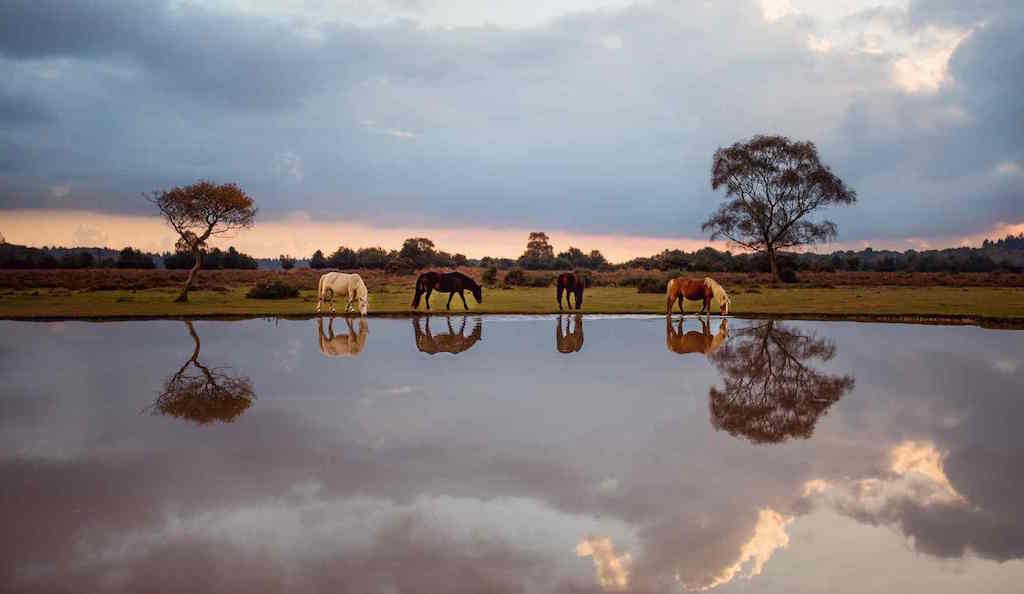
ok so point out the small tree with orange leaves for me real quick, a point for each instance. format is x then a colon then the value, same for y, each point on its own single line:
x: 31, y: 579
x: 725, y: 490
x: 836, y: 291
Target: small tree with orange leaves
x: 198, y: 212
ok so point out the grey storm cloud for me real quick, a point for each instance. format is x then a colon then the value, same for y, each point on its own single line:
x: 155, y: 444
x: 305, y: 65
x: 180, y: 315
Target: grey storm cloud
x: 600, y: 121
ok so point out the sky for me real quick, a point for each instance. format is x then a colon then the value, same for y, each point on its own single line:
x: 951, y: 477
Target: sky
x: 594, y: 121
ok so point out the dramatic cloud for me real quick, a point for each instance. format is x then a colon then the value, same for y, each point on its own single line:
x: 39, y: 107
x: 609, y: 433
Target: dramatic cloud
x: 596, y: 117
x: 612, y: 569
x: 769, y: 535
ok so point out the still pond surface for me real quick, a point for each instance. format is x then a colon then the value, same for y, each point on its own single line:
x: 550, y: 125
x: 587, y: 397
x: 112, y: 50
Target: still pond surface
x: 510, y: 455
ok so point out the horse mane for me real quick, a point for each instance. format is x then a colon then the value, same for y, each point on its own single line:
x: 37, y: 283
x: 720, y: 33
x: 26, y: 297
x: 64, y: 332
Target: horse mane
x: 720, y: 295
x: 472, y: 282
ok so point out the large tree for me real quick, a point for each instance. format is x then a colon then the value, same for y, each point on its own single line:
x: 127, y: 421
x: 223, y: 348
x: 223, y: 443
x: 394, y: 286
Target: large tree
x: 200, y: 211
x: 773, y: 389
x: 773, y: 184
x: 419, y: 250
x: 539, y: 252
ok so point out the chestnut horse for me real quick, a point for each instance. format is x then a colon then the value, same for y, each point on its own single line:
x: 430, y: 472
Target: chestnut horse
x: 696, y: 290
x: 446, y: 282
x: 702, y: 342
x: 572, y: 284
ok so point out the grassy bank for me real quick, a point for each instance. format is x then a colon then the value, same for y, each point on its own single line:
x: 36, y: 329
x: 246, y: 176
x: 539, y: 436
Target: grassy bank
x: 992, y: 305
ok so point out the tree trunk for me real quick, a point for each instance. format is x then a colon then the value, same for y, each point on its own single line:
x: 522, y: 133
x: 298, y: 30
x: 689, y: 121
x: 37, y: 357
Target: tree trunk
x: 774, y: 266
x: 183, y: 297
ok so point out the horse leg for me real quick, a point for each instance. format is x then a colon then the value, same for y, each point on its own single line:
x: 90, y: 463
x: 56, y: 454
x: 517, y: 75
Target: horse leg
x: 668, y: 304
x: 558, y: 292
x: 429, y: 291
x: 579, y: 297
x: 450, y: 295
x: 463, y: 296
x: 681, y: 299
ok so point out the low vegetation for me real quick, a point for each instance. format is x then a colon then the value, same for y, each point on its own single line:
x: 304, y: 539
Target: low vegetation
x: 273, y: 289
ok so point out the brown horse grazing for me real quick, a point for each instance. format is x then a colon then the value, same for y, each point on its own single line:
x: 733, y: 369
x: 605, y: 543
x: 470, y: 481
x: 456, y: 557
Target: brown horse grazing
x: 572, y: 284
x: 569, y: 342
x: 446, y: 282
x: 695, y: 290
x: 695, y: 342
x: 453, y: 343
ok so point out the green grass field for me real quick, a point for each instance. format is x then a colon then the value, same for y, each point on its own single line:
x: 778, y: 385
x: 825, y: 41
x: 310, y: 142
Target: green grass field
x: 991, y: 305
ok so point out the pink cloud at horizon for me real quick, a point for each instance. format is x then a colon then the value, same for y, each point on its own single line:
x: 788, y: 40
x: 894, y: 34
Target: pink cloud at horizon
x: 299, y: 235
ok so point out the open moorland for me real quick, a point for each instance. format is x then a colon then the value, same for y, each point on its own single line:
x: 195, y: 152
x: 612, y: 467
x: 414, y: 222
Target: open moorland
x: 995, y: 299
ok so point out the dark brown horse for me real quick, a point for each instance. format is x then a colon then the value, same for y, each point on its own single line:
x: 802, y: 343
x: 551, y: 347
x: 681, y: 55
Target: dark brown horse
x: 431, y: 344
x: 566, y: 341
x: 446, y: 282
x: 572, y: 284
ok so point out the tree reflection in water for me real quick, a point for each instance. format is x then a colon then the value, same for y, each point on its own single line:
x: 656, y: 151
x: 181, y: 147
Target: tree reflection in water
x: 566, y: 341
x: 430, y: 343
x: 772, y: 392
x: 204, y: 394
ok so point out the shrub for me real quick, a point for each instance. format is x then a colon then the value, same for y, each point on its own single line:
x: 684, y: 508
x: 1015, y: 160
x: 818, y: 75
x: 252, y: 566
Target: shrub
x: 401, y: 265
x: 651, y: 284
x: 287, y: 262
x: 787, y: 275
x: 540, y: 280
x: 515, y: 277
x: 273, y: 289
x: 490, y: 276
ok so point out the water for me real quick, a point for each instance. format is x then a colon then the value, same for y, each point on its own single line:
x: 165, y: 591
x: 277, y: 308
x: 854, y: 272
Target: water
x: 510, y: 454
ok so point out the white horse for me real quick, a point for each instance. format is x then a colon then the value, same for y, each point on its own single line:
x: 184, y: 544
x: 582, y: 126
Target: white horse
x: 339, y: 283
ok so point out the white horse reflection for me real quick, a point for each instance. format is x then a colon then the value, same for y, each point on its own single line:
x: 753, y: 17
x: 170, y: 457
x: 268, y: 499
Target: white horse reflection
x: 342, y: 345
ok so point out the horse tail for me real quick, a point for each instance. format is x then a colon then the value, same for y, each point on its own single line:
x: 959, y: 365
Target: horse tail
x: 420, y: 289
x: 720, y: 295
x: 670, y: 295
x: 320, y: 288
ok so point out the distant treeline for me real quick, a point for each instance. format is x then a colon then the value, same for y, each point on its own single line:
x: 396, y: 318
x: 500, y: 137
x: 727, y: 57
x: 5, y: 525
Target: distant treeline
x: 213, y: 259
x: 948, y: 260
x: 1006, y: 254
x: 22, y: 257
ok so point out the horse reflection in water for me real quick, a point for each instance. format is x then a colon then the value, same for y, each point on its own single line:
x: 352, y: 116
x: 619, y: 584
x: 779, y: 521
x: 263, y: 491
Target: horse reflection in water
x: 342, y: 345
x: 702, y: 342
x: 772, y: 391
x: 203, y: 394
x: 430, y: 343
x: 566, y: 341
